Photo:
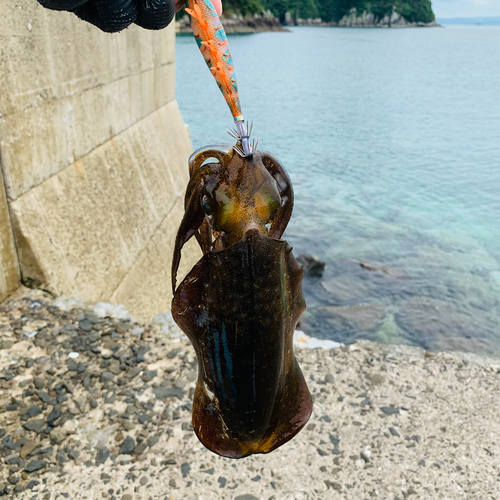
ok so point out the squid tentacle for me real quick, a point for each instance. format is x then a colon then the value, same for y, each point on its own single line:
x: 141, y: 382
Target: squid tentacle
x: 280, y: 221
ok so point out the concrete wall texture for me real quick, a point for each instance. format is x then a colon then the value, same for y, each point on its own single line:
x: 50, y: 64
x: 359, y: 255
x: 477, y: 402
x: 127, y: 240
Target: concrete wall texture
x: 94, y: 159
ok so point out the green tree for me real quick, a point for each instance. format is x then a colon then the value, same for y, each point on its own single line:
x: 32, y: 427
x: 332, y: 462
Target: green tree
x: 243, y: 6
x: 382, y: 8
x: 277, y: 7
x: 416, y: 11
x: 334, y: 10
x: 306, y: 9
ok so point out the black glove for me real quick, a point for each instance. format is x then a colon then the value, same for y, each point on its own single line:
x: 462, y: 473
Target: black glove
x: 115, y: 15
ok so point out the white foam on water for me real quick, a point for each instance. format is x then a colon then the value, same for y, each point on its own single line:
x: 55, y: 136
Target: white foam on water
x: 300, y: 339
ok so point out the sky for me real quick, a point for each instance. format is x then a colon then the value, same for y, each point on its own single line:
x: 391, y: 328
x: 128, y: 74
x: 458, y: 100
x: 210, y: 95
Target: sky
x: 466, y: 8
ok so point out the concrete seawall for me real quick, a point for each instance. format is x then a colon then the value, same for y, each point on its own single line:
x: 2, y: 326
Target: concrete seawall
x: 94, y: 159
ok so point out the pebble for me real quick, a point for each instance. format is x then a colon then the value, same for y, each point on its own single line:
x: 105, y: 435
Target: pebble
x: 86, y: 325
x: 149, y: 375
x: 376, y: 378
x: 110, y: 398
x: 37, y: 425
x: 44, y: 396
x: 185, y: 468
x: 12, y: 459
x: 102, y: 456
x: 134, y: 372
x: 107, y: 377
x: 39, y: 383
x: 53, y: 415
x: 32, y: 484
x: 164, y: 393
x: 128, y: 446
x: 34, y: 410
x: 57, y: 436
x: 152, y: 440
x: 173, y: 353
x: 61, y: 457
x: 35, y: 465
x: 81, y: 402
x: 143, y: 417
x: 140, y: 448
x: 336, y: 486
x: 389, y: 410
x: 27, y: 448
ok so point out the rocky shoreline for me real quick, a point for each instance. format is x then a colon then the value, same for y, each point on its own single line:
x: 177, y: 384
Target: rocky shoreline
x: 239, y: 24
x: 94, y: 405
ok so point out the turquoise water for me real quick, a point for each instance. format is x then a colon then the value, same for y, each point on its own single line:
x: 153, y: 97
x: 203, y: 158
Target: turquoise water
x: 392, y: 140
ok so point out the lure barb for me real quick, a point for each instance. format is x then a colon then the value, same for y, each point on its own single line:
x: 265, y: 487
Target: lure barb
x: 212, y: 42
x: 242, y: 135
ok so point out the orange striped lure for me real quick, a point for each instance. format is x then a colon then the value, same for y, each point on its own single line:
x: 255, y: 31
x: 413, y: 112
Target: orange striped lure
x: 212, y: 42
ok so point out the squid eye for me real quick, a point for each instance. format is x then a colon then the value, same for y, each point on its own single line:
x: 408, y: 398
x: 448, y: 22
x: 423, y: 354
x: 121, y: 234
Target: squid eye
x: 205, y: 205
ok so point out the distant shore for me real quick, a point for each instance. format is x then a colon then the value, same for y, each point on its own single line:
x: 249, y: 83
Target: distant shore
x: 239, y: 24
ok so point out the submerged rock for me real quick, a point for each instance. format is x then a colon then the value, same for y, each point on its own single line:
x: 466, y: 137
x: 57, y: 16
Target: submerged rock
x: 311, y: 264
x: 346, y: 287
x: 388, y: 332
x: 391, y: 272
x: 443, y: 324
x: 367, y: 316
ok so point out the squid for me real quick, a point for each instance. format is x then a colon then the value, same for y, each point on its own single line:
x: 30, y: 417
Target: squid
x: 241, y: 302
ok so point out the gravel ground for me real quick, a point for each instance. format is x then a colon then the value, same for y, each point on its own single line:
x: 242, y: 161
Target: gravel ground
x: 94, y: 406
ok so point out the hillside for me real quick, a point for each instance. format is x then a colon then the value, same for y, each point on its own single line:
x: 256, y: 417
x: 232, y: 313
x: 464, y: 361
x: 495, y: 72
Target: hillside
x: 332, y: 11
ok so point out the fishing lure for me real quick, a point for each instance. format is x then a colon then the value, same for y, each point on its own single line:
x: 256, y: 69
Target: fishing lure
x: 241, y: 302
x: 212, y: 42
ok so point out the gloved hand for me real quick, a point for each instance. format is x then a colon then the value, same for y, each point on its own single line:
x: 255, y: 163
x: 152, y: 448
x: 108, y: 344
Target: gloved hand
x: 115, y: 15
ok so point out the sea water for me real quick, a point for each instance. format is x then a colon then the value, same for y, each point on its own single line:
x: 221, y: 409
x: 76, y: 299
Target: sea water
x: 392, y: 140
